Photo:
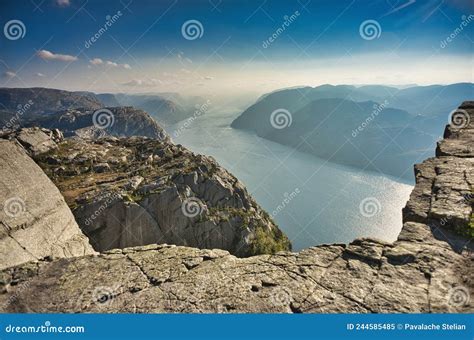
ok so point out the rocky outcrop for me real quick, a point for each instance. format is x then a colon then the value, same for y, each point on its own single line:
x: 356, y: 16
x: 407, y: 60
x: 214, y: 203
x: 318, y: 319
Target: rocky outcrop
x: 74, y: 113
x: 34, y: 141
x: 138, y: 191
x: 110, y: 121
x: 428, y: 268
x: 35, y: 221
x: 35, y: 101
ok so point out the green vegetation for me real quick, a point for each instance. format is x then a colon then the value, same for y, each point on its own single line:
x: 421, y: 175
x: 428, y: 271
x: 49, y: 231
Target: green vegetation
x: 266, y: 240
x: 269, y: 241
x: 470, y: 229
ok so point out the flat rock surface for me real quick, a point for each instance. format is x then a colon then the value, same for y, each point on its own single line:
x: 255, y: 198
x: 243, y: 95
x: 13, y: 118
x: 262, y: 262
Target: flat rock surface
x: 428, y: 268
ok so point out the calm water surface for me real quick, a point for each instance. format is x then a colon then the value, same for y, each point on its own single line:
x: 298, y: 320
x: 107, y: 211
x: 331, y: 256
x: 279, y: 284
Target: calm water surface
x: 312, y: 200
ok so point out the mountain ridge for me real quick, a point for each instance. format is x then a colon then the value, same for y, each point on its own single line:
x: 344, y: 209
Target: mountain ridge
x: 427, y: 270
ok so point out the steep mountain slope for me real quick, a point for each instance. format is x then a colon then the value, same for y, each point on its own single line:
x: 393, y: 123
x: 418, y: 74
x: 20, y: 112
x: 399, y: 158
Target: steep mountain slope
x: 427, y: 270
x: 293, y: 100
x: 430, y: 102
x: 74, y: 113
x: 344, y: 124
x: 138, y: 191
x: 164, y: 108
x: 106, y: 99
x: 362, y: 134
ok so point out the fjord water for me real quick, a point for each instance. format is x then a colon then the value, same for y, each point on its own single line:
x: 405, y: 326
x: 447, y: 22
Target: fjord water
x: 313, y: 201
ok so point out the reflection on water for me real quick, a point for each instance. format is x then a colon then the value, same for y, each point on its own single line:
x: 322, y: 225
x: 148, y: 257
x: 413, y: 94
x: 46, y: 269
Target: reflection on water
x: 312, y: 200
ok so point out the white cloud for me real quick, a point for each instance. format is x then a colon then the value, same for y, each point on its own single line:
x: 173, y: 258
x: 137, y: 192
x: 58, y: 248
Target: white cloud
x: 39, y: 74
x: 142, y: 82
x: 114, y: 64
x: 47, y: 55
x: 208, y: 78
x: 96, y: 61
x: 170, y: 75
x: 63, y: 3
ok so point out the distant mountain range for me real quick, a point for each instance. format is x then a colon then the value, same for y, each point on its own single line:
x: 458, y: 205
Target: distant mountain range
x: 378, y: 128
x: 166, y: 108
x: 374, y: 127
x: 73, y: 112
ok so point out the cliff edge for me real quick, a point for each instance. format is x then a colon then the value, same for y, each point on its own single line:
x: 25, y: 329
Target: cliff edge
x: 35, y: 221
x: 428, y: 268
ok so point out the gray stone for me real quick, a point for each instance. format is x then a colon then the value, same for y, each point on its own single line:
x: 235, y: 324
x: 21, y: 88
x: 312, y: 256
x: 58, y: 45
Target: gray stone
x: 35, y: 222
x: 428, y: 269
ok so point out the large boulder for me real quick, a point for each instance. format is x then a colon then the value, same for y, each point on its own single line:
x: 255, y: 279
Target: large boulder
x: 35, y: 221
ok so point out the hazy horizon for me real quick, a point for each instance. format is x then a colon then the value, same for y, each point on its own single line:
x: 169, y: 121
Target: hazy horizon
x: 206, y: 48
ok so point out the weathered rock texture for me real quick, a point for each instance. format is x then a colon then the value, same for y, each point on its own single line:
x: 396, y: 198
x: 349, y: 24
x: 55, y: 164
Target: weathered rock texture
x: 428, y: 268
x: 138, y: 191
x: 35, y: 221
x: 113, y: 121
x: 74, y: 113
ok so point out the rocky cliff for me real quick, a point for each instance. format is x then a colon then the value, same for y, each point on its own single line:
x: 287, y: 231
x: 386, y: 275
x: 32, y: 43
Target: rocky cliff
x: 428, y: 268
x: 112, y: 121
x: 74, y: 113
x: 35, y: 221
x: 137, y: 191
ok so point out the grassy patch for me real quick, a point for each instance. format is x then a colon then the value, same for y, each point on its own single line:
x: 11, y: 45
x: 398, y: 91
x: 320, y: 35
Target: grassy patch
x: 269, y: 241
x: 470, y: 229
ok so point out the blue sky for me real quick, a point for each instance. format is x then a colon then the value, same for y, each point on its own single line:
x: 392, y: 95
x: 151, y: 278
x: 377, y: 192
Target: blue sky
x: 144, y: 49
